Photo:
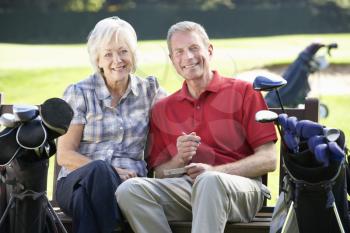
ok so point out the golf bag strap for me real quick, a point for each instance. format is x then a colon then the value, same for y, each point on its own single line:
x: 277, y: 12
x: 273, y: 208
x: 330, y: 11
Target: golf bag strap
x: 330, y: 196
x: 29, y: 193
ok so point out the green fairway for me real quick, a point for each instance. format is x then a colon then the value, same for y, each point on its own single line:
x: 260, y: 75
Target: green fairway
x: 46, y: 69
x: 33, y: 73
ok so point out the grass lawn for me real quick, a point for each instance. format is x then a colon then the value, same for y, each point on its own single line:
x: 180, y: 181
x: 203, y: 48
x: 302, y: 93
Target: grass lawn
x: 33, y: 73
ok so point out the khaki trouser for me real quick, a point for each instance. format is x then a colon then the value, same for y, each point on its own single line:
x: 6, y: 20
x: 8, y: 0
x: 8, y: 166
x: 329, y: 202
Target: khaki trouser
x: 213, y: 199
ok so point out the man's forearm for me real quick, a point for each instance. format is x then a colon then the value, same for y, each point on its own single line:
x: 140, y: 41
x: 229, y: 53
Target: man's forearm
x: 258, y: 164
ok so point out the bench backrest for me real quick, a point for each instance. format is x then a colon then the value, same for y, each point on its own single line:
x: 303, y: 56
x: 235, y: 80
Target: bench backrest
x: 309, y: 112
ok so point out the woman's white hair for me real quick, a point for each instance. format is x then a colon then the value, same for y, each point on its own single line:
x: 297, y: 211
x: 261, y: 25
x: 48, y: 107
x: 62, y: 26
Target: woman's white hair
x: 104, y: 32
x: 187, y: 26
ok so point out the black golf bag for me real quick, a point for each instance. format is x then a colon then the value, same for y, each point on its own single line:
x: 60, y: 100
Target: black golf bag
x: 27, y: 142
x: 297, y: 75
x: 314, y: 193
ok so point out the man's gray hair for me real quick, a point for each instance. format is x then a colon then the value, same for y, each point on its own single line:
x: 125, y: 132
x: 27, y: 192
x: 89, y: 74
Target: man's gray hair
x: 107, y: 30
x: 187, y: 26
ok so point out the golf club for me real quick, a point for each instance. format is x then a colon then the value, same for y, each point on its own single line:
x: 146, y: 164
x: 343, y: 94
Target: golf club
x: 262, y: 83
x: 264, y: 116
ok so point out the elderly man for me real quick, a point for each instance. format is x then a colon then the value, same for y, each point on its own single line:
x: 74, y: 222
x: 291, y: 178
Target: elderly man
x: 208, y: 128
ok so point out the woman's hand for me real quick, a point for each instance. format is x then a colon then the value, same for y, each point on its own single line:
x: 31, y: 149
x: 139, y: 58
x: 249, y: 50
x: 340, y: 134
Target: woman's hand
x: 125, y: 174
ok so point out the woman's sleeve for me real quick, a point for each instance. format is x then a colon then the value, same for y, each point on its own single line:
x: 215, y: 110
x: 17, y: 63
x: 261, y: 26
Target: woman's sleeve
x: 74, y: 96
x: 157, y: 92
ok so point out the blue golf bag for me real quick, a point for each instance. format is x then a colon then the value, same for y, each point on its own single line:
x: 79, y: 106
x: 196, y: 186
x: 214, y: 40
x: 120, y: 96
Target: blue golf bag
x: 297, y: 75
x: 314, y: 193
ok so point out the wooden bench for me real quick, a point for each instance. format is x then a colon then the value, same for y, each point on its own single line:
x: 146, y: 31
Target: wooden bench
x: 260, y: 223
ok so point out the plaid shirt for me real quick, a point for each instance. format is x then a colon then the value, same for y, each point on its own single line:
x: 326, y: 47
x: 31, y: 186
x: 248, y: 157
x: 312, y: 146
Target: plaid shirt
x: 114, y: 134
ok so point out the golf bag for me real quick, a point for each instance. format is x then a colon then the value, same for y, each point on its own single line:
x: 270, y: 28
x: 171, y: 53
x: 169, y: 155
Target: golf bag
x: 297, y: 75
x: 314, y: 193
x: 27, y: 142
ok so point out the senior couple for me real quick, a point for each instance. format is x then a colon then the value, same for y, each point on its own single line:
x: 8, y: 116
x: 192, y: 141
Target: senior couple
x: 207, y: 127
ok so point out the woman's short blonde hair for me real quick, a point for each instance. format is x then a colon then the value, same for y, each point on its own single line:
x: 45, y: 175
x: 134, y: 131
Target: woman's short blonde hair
x: 187, y: 26
x: 104, y: 32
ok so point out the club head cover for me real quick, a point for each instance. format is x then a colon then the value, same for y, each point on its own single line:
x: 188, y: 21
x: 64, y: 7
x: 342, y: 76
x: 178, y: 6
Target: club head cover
x: 56, y: 115
x: 32, y: 134
x: 322, y: 154
x: 292, y: 124
x: 314, y: 141
x: 337, y: 154
x: 306, y: 129
x: 24, y: 113
x: 291, y: 141
x: 9, y: 120
x: 282, y: 120
x: 8, y: 145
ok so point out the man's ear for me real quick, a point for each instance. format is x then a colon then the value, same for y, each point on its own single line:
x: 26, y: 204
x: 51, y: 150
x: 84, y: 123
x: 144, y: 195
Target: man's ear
x: 171, y: 58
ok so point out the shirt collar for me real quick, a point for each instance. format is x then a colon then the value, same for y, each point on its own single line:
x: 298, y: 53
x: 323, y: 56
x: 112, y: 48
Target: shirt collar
x: 102, y: 91
x: 134, y: 85
x: 214, y: 86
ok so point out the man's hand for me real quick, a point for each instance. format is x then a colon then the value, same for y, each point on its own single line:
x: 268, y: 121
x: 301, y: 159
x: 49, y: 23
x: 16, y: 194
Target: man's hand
x: 187, y: 145
x: 195, y: 169
x: 125, y: 174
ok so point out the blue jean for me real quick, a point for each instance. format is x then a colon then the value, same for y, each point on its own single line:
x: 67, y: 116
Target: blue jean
x: 88, y: 195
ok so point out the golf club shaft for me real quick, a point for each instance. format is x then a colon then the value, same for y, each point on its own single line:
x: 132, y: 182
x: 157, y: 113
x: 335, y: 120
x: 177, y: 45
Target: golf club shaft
x: 280, y: 133
x: 280, y: 100
x: 288, y: 218
x: 3, y: 217
x: 341, y: 228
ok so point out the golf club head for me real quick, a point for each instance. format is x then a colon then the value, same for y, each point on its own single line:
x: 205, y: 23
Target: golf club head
x: 315, y: 141
x: 341, y: 140
x: 306, y: 129
x: 331, y: 134
x: 263, y: 83
x: 322, y: 154
x: 265, y: 116
x: 337, y: 153
x: 24, y: 113
x: 8, y: 120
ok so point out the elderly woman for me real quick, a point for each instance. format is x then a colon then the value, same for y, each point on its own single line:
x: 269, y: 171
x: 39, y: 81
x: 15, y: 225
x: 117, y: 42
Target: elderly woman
x: 106, y: 139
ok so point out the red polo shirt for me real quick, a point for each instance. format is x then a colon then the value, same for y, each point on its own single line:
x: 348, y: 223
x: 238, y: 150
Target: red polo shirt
x: 223, y: 116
